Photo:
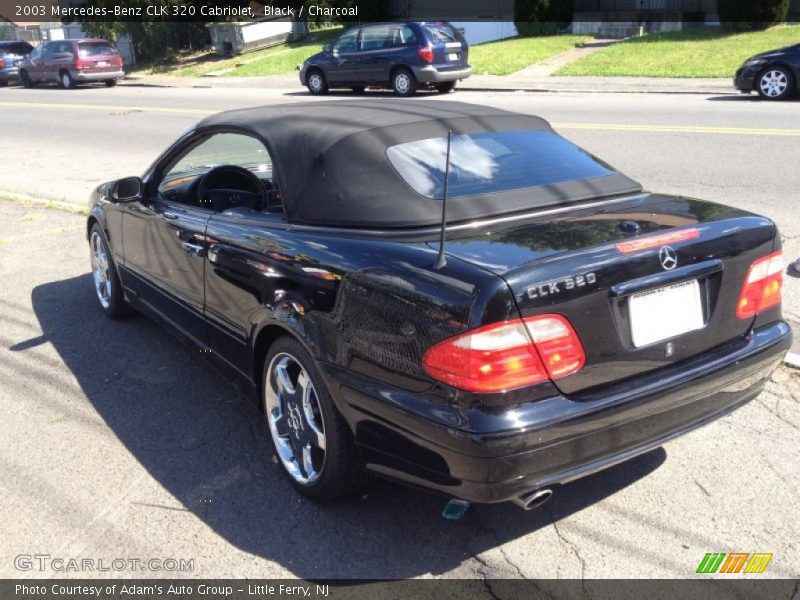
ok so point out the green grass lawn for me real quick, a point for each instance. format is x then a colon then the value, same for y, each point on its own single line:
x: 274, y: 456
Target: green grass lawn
x: 278, y: 60
x: 509, y: 56
x: 696, y: 53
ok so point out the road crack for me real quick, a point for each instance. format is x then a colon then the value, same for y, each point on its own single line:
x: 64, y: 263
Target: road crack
x: 574, y: 549
x: 705, y: 491
x: 776, y: 413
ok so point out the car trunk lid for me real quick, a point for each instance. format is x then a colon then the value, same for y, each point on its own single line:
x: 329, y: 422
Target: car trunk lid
x: 450, y: 49
x: 98, y: 57
x: 635, y: 306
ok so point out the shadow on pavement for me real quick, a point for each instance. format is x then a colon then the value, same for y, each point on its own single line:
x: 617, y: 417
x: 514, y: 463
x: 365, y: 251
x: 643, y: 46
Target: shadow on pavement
x: 749, y: 98
x: 206, y: 446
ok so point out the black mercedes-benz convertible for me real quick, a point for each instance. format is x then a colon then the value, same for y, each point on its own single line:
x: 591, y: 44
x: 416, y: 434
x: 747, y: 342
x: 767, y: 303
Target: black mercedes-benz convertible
x: 444, y: 294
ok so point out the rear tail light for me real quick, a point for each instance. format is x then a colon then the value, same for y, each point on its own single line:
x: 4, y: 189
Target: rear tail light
x: 762, y: 287
x: 661, y: 239
x: 2, y: 63
x: 508, y: 355
x: 79, y: 64
x: 426, y: 53
x: 117, y: 60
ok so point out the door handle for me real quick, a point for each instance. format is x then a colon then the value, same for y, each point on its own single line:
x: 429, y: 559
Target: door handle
x: 169, y: 215
x: 194, y: 248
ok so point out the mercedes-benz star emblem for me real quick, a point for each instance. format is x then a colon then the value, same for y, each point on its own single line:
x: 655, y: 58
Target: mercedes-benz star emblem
x: 668, y: 258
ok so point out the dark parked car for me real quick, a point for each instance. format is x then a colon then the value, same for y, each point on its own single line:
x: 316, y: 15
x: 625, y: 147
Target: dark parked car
x: 775, y: 75
x: 70, y: 62
x: 11, y: 54
x: 572, y: 322
x: 403, y: 56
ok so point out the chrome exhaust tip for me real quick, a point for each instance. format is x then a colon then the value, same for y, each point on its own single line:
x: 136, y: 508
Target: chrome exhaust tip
x: 534, y: 499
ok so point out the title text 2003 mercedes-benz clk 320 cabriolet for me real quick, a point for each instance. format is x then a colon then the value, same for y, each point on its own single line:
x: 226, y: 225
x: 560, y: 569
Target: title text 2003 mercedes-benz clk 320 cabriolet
x: 572, y: 321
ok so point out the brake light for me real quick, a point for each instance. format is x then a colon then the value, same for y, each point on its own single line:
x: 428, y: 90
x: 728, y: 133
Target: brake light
x: 79, y: 64
x: 655, y: 241
x: 117, y: 60
x: 762, y: 287
x: 426, y: 53
x: 2, y: 63
x: 508, y: 355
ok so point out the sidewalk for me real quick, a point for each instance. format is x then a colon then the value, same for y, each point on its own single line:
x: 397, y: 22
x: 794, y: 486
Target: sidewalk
x: 510, y: 83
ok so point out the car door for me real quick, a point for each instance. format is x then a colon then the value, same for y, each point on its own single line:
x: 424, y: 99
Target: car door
x: 237, y: 276
x: 61, y: 58
x: 344, y: 58
x: 376, y: 53
x: 164, y: 243
x: 35, y: 63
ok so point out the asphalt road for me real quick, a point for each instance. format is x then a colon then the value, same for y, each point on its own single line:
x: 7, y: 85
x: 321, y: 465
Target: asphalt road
x: 120, y: 443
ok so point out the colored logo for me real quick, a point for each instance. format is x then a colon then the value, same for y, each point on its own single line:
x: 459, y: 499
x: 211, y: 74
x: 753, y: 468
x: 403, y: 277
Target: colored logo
x: 736, y: 562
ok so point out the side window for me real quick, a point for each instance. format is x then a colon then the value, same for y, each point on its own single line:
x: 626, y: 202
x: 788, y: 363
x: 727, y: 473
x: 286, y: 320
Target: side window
x: 347, y: 42
x: 376, y: 37
x: 179, y: 181
x: 35, y: 54
x: 404, y: 36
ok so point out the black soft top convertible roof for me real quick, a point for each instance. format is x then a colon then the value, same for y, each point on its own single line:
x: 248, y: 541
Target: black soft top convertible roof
x: 329, y: 159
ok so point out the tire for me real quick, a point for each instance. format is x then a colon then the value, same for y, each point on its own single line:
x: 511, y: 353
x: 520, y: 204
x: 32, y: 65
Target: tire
x: 302, y: 420
x: 3, y: 82
x: 65, y: 80
x: 25, y: 79
x: 403, y: 83
x: 358, y: 89
x: 105, y: 278
x: 316, y: 82
x: 775, y: 83
x: 446, y: 87
x: 110, y: 82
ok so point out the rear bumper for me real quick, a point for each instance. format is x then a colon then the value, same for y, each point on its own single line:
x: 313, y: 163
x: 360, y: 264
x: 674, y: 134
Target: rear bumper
x: 103, y: 76
x: 9, y: 73
x: 557, y: 439
x: 430, y: 74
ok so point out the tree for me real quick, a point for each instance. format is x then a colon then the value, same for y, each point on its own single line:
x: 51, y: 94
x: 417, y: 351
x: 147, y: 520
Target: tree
x: 542, y: 17
x: 745, y: 15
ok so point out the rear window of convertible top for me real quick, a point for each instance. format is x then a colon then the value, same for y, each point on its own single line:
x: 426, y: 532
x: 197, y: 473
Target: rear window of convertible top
x: 493, y: 161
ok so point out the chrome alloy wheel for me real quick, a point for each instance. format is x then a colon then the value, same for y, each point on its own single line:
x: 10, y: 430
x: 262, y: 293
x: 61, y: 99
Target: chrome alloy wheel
x: 295, y: 418
x: 100, y: 270
x: 402, y: 83
x: 315, y: 82
x: 773, y: 83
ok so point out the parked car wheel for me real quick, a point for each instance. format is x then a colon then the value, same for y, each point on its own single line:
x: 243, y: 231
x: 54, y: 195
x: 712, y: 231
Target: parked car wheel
x: 311, y: 440
x: 111, y: 82
x: 358, y: 89
x: 3, y: 82
x: 316, y: 82
x: 105, y: 277
x: 25, y: 79
x: 403, y: 83
x: 446, y: 87
x: 775, y: 83
x: 66, y: 80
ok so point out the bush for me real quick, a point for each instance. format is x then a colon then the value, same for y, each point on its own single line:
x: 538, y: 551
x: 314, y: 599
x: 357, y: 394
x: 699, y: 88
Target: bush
x: 746, y: 15
x: 542, y: 17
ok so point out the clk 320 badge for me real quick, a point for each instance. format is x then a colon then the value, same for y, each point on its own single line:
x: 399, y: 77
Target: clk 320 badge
x: 549, y: 288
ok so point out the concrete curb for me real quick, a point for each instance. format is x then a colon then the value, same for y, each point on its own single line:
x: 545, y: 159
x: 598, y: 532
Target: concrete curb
x: 479, y: 83
x: 792, y: 360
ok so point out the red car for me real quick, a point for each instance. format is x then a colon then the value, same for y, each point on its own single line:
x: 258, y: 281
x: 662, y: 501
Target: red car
x: 69, y: 62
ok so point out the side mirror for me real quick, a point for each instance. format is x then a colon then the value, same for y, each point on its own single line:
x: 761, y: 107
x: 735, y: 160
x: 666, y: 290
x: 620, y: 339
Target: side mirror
x: 128, y: 189
x: 327, y: 49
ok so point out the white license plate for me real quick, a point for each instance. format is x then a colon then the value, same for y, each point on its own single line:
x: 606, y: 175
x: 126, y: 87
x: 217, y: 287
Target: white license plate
x: 452, y: 56
x: 664, y: 313
x: 102, y: 63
